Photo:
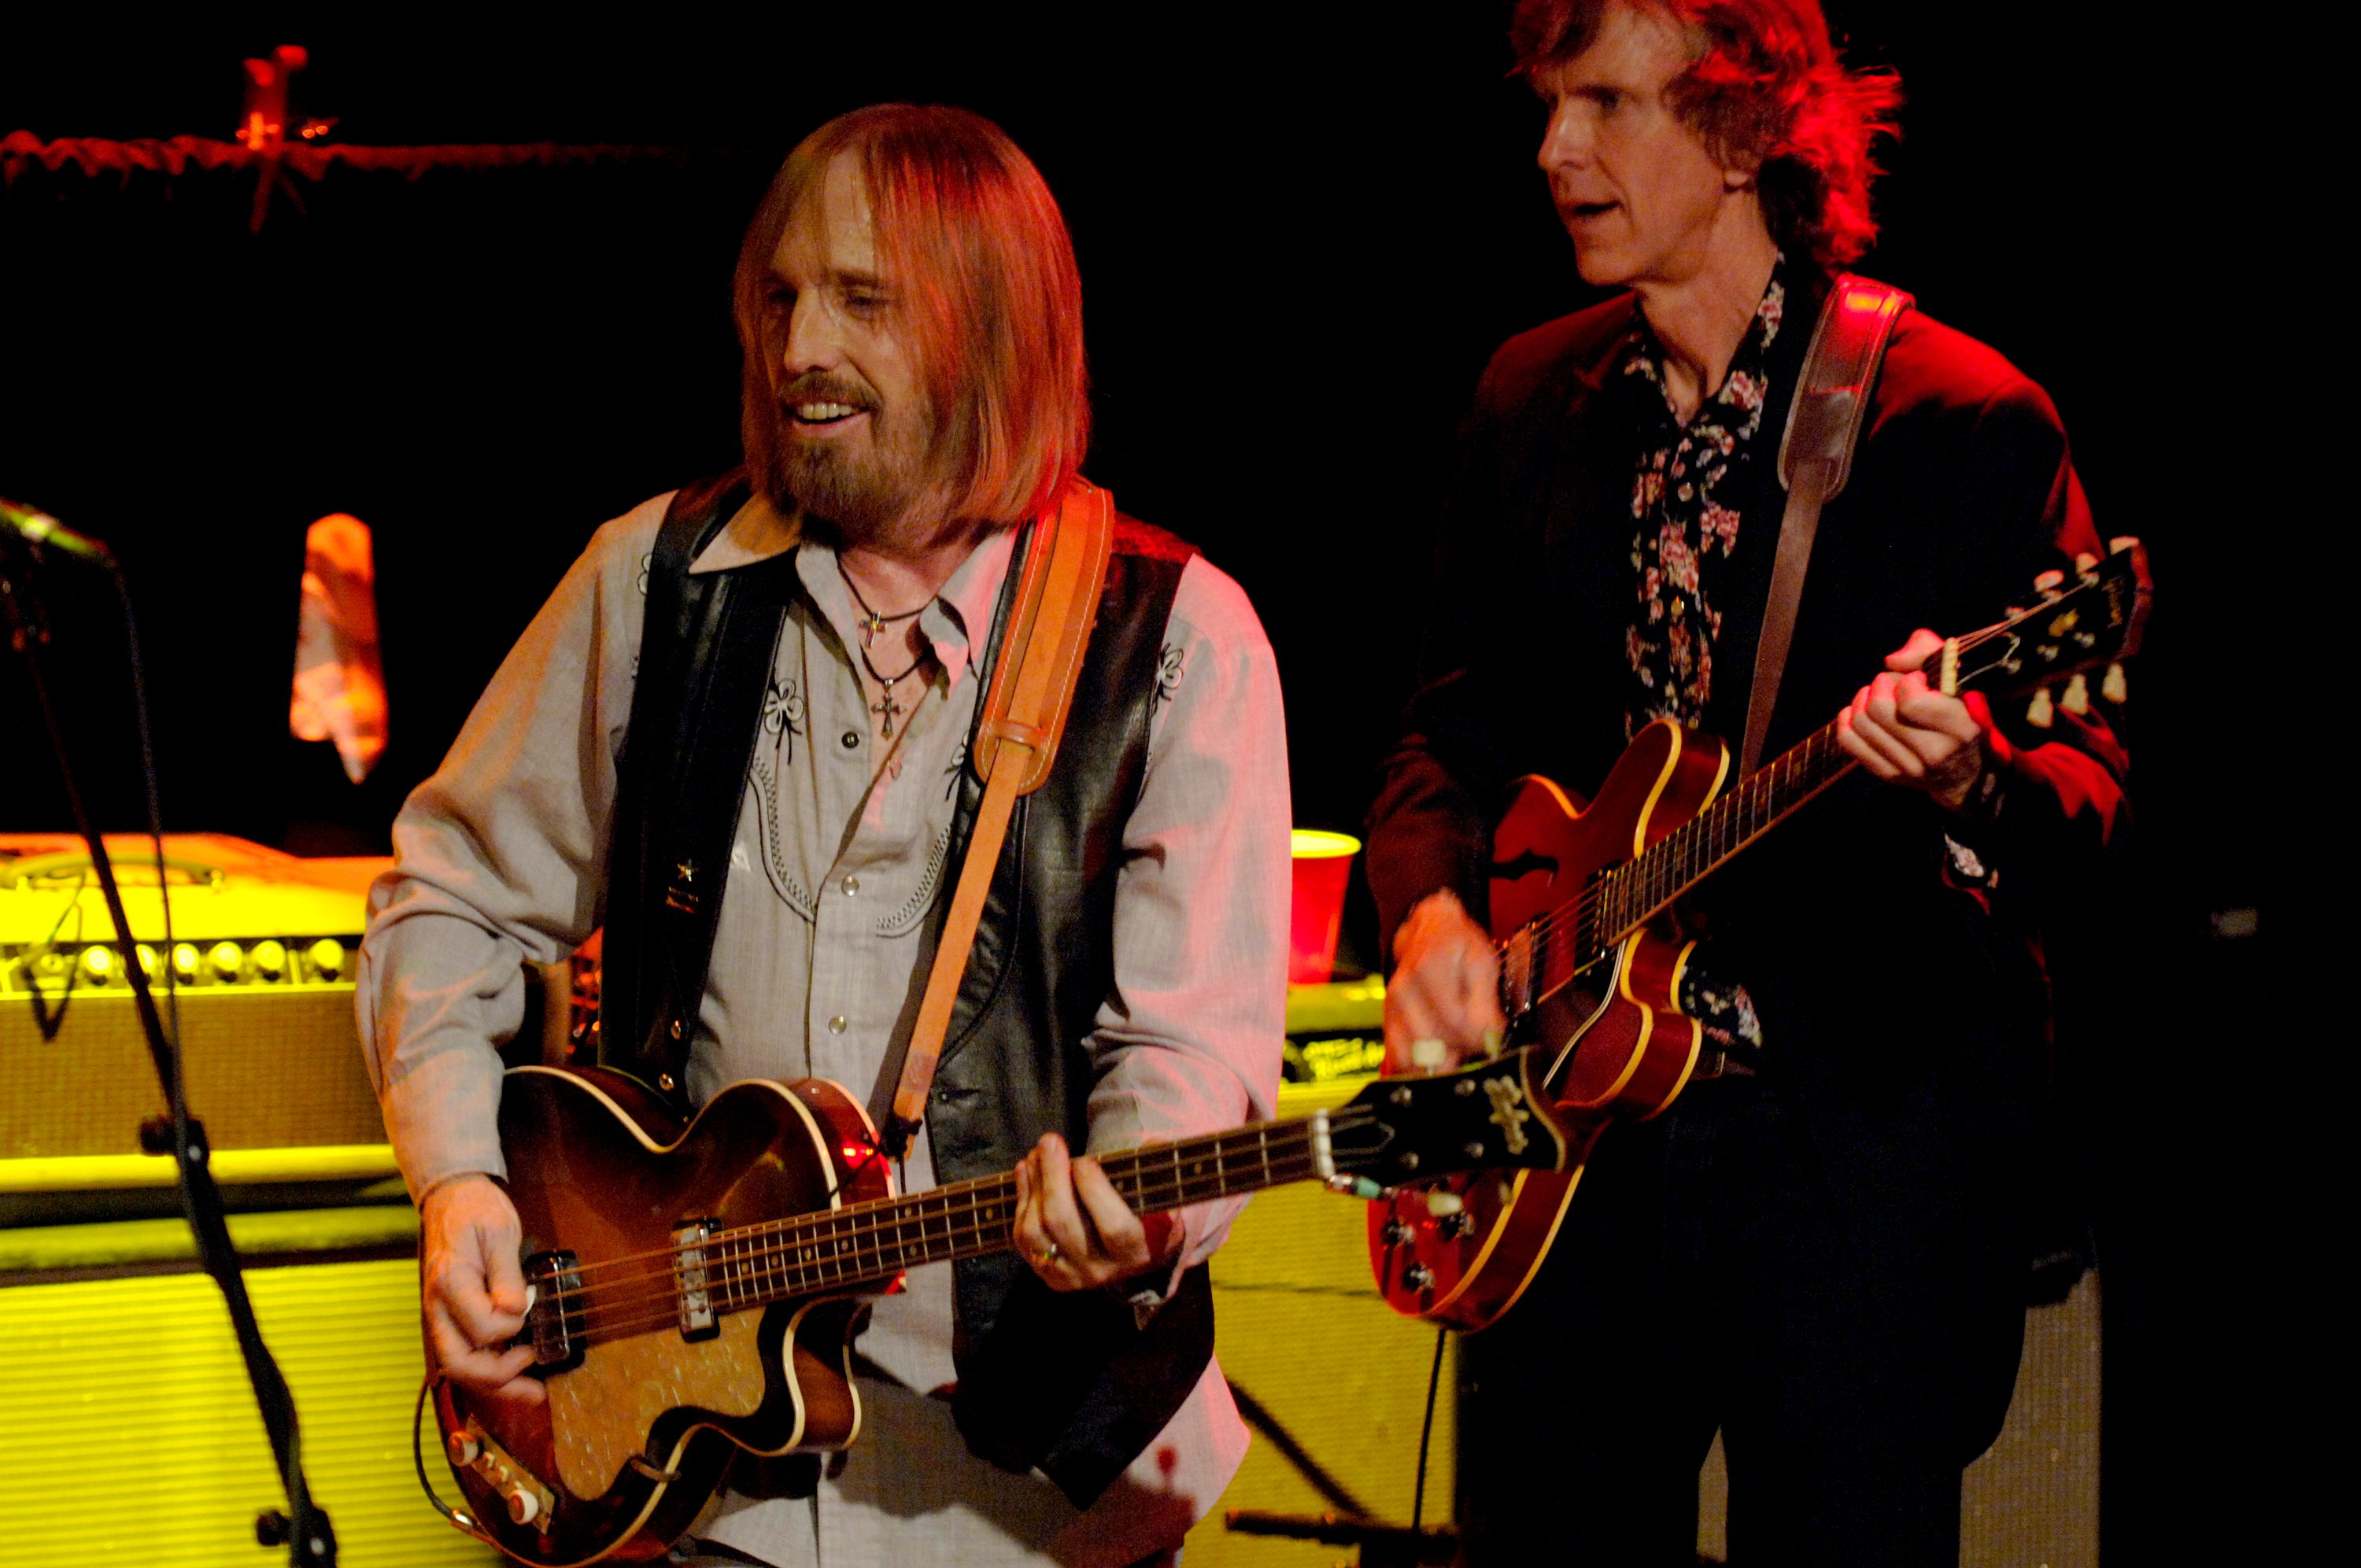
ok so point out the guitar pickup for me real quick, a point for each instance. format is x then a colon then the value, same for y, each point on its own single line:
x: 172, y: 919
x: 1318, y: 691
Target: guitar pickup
x: 554, y: 1317
x: 692, y: 1272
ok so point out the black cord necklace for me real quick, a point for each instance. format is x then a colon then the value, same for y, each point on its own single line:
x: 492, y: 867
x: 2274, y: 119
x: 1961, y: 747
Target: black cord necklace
x: 870, y: 621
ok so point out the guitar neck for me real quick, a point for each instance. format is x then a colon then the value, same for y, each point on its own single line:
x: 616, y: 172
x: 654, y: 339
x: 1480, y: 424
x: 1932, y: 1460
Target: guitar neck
x: 1640, y: 890
x: 1549, y: 953
x: 869, y: 1243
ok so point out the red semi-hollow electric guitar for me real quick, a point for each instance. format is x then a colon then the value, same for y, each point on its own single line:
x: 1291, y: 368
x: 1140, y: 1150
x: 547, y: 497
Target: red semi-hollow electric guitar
x: 1590, y: 964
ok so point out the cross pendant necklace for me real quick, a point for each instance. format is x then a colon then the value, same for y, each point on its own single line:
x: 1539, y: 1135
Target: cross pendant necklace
x: 886, y: 708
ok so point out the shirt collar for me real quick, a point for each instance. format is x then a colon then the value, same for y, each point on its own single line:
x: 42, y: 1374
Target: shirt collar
x: 956, y: 620
x: 755, y: 533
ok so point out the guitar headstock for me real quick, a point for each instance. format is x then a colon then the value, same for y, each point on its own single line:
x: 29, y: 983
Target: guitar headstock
x: 1489, y: 1116
x: 2096, y: 618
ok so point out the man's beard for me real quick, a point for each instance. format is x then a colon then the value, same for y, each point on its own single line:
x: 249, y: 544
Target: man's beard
x: 870, y: 496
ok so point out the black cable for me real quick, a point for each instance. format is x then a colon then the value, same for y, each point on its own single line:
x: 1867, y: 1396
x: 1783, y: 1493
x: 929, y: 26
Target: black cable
x: 1426, y: 1432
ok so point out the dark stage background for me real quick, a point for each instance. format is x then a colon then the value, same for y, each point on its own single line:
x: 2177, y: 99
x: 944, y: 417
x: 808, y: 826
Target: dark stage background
x: 1300, y: 232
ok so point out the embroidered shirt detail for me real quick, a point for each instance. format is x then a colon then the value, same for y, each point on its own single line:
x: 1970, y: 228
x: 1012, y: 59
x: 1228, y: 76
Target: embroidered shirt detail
x: 1168, y: 675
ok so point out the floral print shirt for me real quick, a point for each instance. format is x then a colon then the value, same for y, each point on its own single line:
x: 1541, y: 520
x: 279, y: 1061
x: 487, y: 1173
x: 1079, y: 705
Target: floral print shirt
x: 1684, y: 533
x: 1684, y: 530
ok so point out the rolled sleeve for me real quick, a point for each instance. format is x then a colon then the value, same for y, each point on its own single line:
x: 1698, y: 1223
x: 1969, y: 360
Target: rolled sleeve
x: 1189, y: 1040
x: 498, y: 860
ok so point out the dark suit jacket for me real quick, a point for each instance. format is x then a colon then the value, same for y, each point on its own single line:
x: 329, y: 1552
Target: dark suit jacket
x: 1904, y: 1015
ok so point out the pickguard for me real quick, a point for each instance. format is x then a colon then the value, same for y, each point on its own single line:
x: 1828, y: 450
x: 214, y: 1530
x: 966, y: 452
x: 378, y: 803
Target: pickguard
x: 603, y: 1409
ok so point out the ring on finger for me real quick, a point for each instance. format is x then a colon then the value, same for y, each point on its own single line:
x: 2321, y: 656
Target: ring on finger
x: 1047, y: 1254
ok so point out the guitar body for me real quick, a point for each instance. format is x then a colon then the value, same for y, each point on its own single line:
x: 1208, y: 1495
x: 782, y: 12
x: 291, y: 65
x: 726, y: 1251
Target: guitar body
x: 1460, y: 1251
x: 638, y: 1428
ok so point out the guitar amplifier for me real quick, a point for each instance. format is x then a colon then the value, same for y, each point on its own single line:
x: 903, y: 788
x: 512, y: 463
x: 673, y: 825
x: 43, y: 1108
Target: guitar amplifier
x: 262, y: 956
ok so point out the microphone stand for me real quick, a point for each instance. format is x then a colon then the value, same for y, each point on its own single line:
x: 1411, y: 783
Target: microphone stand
x: 304, y: 1530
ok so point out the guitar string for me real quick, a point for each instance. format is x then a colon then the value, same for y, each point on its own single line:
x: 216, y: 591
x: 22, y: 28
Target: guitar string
x: 1123, y: 1164
x: 1666, y: 852
x: 731, y: 1287
x: 831, y: 1246
x: 845, y: 1228
x: 762, y: 1276
x: 950, y: 1214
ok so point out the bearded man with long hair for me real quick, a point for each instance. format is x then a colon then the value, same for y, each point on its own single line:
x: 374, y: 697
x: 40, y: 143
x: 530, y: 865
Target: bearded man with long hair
x: 914, y: 390
x: 1822, y: 1249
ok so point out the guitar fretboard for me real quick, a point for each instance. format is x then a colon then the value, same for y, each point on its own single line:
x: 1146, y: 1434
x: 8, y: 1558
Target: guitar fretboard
x: 869, y: 1243
x: 1550, y: 952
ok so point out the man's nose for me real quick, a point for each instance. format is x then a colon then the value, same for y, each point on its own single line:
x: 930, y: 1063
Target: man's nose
x: 1566, y: 141
x: 813, y: 342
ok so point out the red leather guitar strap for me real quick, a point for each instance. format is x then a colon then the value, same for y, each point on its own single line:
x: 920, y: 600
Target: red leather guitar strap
x: 1017, y: 741
x: 1815, y: 459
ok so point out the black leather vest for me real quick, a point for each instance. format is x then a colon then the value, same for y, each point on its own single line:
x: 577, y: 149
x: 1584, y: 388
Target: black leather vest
x: 1071, y: 1383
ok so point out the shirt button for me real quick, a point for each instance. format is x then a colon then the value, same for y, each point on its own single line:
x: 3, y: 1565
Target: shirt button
x: 850, y: 739
x: 851, y: 885
x: 836, y: 1024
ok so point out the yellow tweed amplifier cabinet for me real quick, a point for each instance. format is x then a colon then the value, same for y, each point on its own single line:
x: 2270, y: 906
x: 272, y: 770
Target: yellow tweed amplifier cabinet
x: 262, y: 955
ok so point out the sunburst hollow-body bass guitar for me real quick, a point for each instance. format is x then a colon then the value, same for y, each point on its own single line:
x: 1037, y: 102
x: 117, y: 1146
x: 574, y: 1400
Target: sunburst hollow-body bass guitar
x: 692, y: 1288
x: 1590, y: 963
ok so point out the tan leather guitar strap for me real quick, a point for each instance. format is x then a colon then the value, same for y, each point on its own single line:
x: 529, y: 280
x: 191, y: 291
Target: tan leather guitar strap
x: 1017, y: 741
x: 1815, y: 460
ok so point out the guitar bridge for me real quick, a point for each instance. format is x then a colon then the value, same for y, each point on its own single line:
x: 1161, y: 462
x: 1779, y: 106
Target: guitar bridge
x: 692, y: 1274
x: 554, y: 1317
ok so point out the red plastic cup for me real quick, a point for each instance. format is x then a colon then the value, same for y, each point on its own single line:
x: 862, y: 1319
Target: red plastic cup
x: 1323, y: 864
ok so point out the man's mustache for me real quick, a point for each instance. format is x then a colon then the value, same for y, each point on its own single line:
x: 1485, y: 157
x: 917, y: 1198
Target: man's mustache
x: 821, y: 387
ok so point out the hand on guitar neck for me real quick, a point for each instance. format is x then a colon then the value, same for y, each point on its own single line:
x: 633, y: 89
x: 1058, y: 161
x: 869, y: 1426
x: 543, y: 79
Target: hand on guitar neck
x: 1443, y: 1003
x: 1905, y: 732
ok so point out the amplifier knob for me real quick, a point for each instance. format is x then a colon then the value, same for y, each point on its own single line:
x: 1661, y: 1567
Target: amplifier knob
x: 185, y: 962
x: 227, y: 960
x: 270, y: 959
x: 98, y: 965
x: 327, y: 958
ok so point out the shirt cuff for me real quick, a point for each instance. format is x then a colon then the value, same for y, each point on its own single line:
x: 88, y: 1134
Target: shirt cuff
x: 442, y: 1118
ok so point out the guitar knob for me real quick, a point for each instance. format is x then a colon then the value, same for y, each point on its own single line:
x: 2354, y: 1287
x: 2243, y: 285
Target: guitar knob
x: 2114, y: 687
x: 1394, y: 1233
x: 2077, y: 699
x: 524, y: 1506
x: 1451, y: 1227
x: 1440, y: 1202
x: 463, y: 1449
x: 1418, y: 1277
x: 2039, y: 712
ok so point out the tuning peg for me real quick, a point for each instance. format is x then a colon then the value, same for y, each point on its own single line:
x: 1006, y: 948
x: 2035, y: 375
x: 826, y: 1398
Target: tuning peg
x: 2121, y: 542
x: 2039, y: 713
x: 2077, y: 699
x: 2049, y: 582
x: 2114, y: 687
x: 2084, y: 561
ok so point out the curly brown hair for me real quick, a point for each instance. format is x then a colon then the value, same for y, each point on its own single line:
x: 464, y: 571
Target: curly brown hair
x: 1763, y: 87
